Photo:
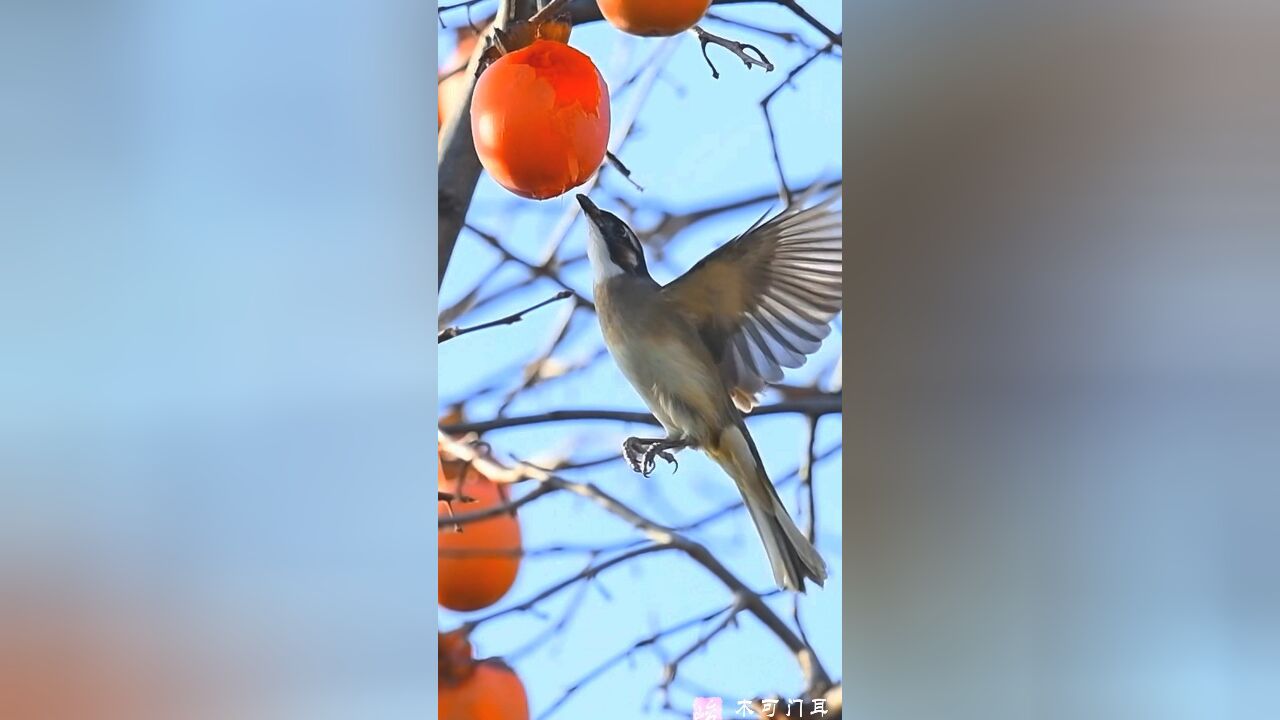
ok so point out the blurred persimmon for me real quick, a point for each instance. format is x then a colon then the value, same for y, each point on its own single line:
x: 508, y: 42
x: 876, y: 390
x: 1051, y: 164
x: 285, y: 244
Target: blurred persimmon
x: 653, y: 18
x: 540, y: 119
x: 477, y: 690
x: 452, y: 85
x: 478, y: 560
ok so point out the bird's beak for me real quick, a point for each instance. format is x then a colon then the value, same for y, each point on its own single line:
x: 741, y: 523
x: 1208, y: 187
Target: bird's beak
x: 588, y: 207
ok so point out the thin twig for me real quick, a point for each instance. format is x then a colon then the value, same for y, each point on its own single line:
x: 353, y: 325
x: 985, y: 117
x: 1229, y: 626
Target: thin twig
x: 559, y: 626
x: 626, y: 173
x: 737, y: 48
x: 450, y: 333
x: 670, y: 224
x: 644, y: 642
x: 784, y: 189
x: 672, y: 666
x: 460, y: 519
x: 816, y: 405
x: 784, y: 36
x: 805, y: 475
x: 545, y: 270
x: 832, y: 37
x: 537, y: 370
x: 587, y: 573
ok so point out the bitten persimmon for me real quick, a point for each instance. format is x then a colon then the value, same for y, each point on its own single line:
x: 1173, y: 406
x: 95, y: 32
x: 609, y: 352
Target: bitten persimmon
x: 653, y: 18
x: 479, y: 562
x: 477, y: 690
x: 540, y: 119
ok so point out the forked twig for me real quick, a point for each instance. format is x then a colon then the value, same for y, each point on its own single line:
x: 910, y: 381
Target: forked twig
x: 737, y: 48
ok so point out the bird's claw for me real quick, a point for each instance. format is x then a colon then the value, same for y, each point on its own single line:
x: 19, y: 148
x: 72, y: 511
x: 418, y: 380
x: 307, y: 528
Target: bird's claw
x: 640, y: 454
x: 657, y: 451
x: 633, y: 451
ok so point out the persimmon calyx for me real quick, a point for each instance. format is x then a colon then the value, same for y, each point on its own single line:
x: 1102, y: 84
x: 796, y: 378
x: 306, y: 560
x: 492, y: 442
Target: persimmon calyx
x: 523, y: 33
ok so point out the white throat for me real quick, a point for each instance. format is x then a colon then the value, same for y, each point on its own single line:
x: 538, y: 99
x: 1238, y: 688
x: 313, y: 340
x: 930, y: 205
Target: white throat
x: 602, y: 266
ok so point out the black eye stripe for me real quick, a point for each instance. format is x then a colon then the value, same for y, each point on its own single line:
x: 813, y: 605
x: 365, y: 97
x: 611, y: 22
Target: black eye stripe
x: 624, y: 257
x: 624, y: 247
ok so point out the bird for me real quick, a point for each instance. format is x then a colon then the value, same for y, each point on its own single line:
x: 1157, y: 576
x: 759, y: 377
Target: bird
x: 700, y: 349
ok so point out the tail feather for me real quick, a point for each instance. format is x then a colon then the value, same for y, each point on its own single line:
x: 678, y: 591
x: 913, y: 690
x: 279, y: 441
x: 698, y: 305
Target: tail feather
x: 791, y: 556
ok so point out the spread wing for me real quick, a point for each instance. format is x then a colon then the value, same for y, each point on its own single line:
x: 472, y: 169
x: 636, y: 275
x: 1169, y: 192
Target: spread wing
x: 765, y: 300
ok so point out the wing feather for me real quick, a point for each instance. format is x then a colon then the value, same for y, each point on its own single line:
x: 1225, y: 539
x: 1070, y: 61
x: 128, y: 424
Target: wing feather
x: 764, y: 301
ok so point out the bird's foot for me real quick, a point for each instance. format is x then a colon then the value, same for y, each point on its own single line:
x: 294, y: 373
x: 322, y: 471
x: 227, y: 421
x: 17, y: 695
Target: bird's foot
x: 641, y: 453
x: 633, y: 449
x: 657, y: 450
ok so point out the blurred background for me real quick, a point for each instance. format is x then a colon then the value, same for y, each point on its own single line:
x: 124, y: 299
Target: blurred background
x: 216, y: 366
x: 702, y: 171
x: 1064, y: 277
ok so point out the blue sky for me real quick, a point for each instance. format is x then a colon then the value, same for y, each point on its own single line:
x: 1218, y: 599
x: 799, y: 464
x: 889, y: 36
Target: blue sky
x: 697, y: 141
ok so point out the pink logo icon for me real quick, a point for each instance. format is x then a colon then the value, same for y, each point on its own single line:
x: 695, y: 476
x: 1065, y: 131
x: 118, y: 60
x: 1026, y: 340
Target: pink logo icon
x: 708, y: 708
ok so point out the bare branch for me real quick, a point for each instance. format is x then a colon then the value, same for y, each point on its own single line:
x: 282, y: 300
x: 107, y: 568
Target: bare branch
x: 560, y: 625
x: 737, y: 48
x: 817, y: 405
x: 450, y: 333
x: 585, y: 11
x: 542, y: 368
x: 626, y: 173
x: 644, y: 642
x: 784, y: 189
x: 805, y: 474
x: 542, y: 271
x: 460, y: 519
x: 458, y: 169
x: 661, y: 538
x: 816, y: 678
x: 586, y: 574
x: 671, y: 223
x: 732, y: 507
x: 784, y: 36
x: 832, y: 37
x: 671, y: 667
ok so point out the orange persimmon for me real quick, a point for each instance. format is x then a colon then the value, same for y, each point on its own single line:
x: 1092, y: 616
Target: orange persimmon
x: 653, y: 18
x: 479, y: 560
x: 540, y: 119
x: 477, y: 690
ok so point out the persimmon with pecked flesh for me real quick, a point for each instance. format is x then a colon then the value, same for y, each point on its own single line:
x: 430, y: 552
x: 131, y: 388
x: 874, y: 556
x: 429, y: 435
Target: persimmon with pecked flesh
x: 477, y: 689
x: 653, y: 18
x: 540, y: 119
x: 479, y: 560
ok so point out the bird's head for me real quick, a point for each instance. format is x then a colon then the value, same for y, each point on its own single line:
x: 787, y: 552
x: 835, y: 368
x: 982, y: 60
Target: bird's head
x: 612, y: 247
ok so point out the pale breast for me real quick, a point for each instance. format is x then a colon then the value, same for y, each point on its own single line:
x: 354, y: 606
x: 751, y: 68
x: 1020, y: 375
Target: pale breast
x: 663, y: 360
